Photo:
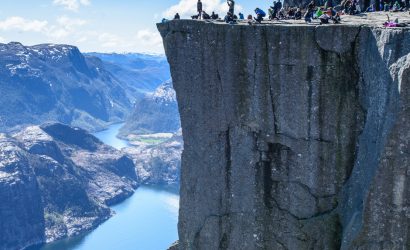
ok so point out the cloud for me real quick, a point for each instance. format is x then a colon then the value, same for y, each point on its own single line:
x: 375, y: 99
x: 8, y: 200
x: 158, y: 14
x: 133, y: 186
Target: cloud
x: 2, y: 40
x: 149, y: 37
x: 65, y: 26
x: 62, y: 28
x: 108, y: 40
x: 72, y: 5
x: 188, y: 8
x: 22, y: 24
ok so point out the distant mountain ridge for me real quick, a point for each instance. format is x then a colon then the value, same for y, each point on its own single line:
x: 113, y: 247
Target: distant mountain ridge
x: 143, y: 72
x: 50, y: 82
x: 56, y: 82
x: 157, y: 112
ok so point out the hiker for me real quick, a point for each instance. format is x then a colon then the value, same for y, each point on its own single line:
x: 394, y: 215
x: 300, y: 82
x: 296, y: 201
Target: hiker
x: 337, y: 18
x: 195, y: 17
x: 386, y: 6
x: 278, y: 5
x: 309, y: 13
x: 281, y: 14
x: 214, y: 16
x: 324, y: 18
x: 396, y: 7
x: 241, y: 17
x: 229, y: 18
x: 199, y: 8
x: 177, y: 17
x: 205, y: 16
x: 319, y: 12
x: 231, y: 4
x: 291, y: 13
x: 396, y: 23
x: 371, y: 8
x: 298, y: 14
x: 260, y: 14
x: 272, y: 11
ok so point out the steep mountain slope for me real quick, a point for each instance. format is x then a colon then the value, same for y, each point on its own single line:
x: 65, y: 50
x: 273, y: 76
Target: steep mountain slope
x: 57, y: 83
x: 57, y: 181
x: 157, y: 112
x: 141, y: 72
x: 158, y: 163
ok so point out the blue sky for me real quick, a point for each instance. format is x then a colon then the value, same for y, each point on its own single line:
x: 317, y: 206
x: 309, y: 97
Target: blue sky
x: 99, y: 25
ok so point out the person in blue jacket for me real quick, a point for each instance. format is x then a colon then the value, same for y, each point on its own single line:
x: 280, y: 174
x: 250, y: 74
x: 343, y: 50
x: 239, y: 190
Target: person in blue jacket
x: 260, y: 14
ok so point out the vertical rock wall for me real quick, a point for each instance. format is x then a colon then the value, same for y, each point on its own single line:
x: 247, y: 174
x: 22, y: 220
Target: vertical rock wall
x: 286, y: 130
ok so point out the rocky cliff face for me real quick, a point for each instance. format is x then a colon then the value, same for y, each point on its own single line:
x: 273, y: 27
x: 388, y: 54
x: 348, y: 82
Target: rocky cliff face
x: 295, y: 136
x: 57, y: 181
x: 158, y: 163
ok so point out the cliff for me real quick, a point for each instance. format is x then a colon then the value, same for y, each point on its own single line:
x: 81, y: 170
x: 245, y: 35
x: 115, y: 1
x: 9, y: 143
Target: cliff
x: 295, y: 136
x: 57, y: 181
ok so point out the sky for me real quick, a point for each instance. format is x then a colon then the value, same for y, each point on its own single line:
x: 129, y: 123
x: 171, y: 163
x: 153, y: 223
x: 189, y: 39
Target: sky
x: 100, y: 25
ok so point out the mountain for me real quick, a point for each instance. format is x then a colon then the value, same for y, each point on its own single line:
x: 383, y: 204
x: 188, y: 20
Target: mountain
x: 142, y: 72
x: 57, y: 83
x: 157, y: 112
x: 158, y: 163
x: 57, y: 181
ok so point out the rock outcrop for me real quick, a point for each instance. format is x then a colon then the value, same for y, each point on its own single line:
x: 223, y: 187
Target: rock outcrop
x: 157, y: 112
x: 57, y: 181
x: 295, y: 136
x: 158, y: 163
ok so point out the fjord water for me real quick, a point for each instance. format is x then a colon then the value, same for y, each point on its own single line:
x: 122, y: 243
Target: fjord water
x: 146, y: 221
x: 109, y: 137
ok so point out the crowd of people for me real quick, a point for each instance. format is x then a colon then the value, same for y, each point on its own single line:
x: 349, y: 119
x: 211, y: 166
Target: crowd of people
x: 326, y: 12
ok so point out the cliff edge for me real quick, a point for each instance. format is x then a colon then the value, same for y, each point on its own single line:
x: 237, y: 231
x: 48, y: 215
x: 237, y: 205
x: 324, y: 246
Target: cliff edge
x: 295, y: 136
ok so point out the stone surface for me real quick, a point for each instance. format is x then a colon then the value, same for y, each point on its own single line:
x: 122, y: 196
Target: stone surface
x: 57, y: 181
x: 158, y: 163
x: 292, y: 140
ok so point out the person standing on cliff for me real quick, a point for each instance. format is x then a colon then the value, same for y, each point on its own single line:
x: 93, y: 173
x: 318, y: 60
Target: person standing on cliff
x: 231, y: 4
x: 199, y: 9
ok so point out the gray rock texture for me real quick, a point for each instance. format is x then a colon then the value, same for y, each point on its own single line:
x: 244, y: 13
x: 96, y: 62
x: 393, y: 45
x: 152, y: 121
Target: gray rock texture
x: 295, y: 136
x: 157, y: 112
x: 57, y: 181
x: 158, y: 163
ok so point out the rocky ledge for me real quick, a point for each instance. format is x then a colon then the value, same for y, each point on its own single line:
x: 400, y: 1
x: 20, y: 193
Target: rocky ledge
x: 295, y: 136
x: 57, y: 181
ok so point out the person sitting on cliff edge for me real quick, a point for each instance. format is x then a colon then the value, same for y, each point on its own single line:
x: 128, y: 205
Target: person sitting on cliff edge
x: 229, y: 18
x: 205, y: 16
x: 177, y: 17
x: 214, y: 16
x: 260, y: 14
